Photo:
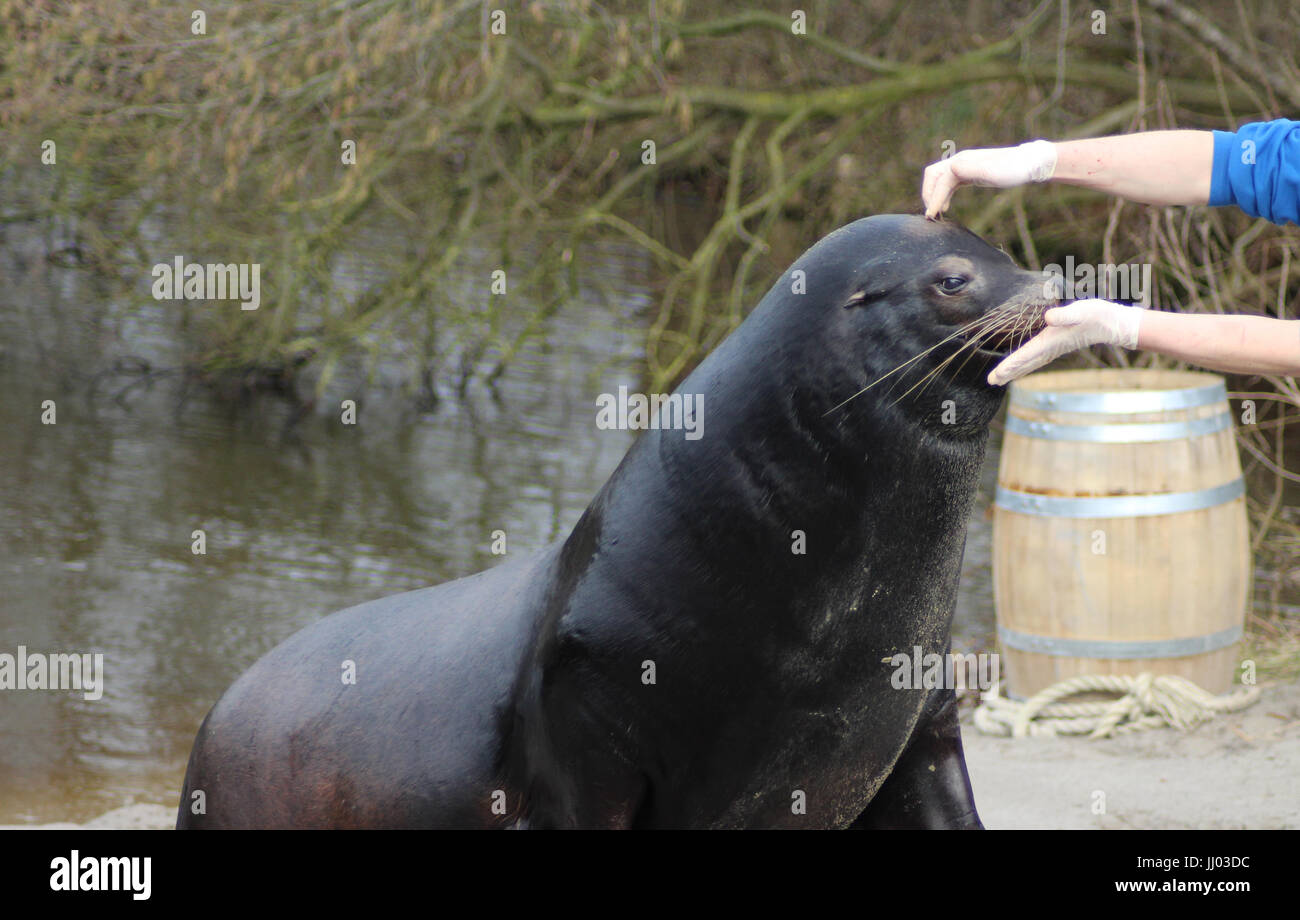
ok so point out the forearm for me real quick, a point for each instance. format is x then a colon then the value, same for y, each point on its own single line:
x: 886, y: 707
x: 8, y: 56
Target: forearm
x: 1234, y: 344
x: 1154, y: 167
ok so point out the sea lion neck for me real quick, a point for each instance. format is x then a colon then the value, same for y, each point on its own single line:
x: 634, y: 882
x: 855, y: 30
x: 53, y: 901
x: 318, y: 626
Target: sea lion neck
x: 774, y: 479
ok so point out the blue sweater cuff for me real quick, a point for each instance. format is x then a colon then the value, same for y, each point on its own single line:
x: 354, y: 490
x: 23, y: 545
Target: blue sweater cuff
x: 1257, y: 168
x: 1225, y: 145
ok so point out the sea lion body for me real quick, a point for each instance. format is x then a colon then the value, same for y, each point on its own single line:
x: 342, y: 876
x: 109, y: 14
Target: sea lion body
x: 677, y: 661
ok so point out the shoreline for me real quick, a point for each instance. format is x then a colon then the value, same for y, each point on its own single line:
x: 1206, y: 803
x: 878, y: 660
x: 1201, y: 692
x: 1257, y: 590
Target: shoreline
x: 1237, y: 771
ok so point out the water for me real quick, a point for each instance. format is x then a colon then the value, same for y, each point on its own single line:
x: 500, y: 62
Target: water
x: 97, y: 514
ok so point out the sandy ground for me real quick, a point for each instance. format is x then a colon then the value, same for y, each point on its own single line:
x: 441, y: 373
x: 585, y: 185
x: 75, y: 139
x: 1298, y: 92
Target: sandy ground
x: 1241, y: 770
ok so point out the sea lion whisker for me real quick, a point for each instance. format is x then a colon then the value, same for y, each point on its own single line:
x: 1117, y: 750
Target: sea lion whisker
x: 934, y: 373
x: 986, y: 321
x: 960, y: 331
x: 910, y: 360
x: 1029, y: 330
x: 979, y: 341
x: 997, y: 324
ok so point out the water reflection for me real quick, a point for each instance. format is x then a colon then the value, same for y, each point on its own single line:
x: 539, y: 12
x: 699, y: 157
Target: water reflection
x: 98, y: 510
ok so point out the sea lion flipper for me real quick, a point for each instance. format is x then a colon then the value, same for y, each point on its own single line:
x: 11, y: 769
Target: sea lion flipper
x: 929, y: 787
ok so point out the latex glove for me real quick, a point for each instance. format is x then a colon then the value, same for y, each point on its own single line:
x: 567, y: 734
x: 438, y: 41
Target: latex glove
x: 997, y: 167
x: 1069, y: 328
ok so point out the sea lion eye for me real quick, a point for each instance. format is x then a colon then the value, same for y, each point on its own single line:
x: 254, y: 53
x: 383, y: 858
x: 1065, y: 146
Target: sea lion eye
x: 952, y: 284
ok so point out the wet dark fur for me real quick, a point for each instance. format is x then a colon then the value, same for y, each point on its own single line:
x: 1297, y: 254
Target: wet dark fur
x: 526, y: 680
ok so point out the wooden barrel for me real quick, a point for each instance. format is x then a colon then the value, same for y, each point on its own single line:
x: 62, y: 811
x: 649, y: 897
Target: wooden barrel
x: 1120, y: 542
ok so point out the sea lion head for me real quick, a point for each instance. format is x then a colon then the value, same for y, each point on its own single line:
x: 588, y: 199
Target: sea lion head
x: 925, y: 310
x: 888, y: 323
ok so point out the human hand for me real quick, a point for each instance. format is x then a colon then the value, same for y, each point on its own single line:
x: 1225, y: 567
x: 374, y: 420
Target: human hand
x: 1069, y: 328
x: 997, y: 167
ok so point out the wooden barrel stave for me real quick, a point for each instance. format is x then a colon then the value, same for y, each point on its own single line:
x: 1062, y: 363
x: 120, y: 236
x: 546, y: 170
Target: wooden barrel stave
x: 1161, y: 577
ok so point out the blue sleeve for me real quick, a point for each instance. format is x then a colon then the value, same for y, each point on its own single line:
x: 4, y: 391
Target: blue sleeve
x: 1258, y: 169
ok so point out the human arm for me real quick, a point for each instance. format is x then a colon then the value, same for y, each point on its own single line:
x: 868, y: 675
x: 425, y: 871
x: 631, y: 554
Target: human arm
x: 1153, y: 167
x: 1234, y: 344
x: 1256, y: 168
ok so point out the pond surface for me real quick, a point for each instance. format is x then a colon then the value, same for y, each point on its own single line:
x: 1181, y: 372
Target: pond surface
x: 97, y: 513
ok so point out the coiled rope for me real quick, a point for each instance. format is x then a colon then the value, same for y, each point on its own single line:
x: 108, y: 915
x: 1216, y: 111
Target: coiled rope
x: 1146, y: 701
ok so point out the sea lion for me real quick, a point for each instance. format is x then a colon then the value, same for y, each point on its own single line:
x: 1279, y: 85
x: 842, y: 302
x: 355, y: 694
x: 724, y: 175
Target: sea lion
x: 709, y: 647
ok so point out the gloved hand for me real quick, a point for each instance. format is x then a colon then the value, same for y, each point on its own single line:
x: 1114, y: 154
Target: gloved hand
x: 1069, y: 328
x: 999, y: 167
